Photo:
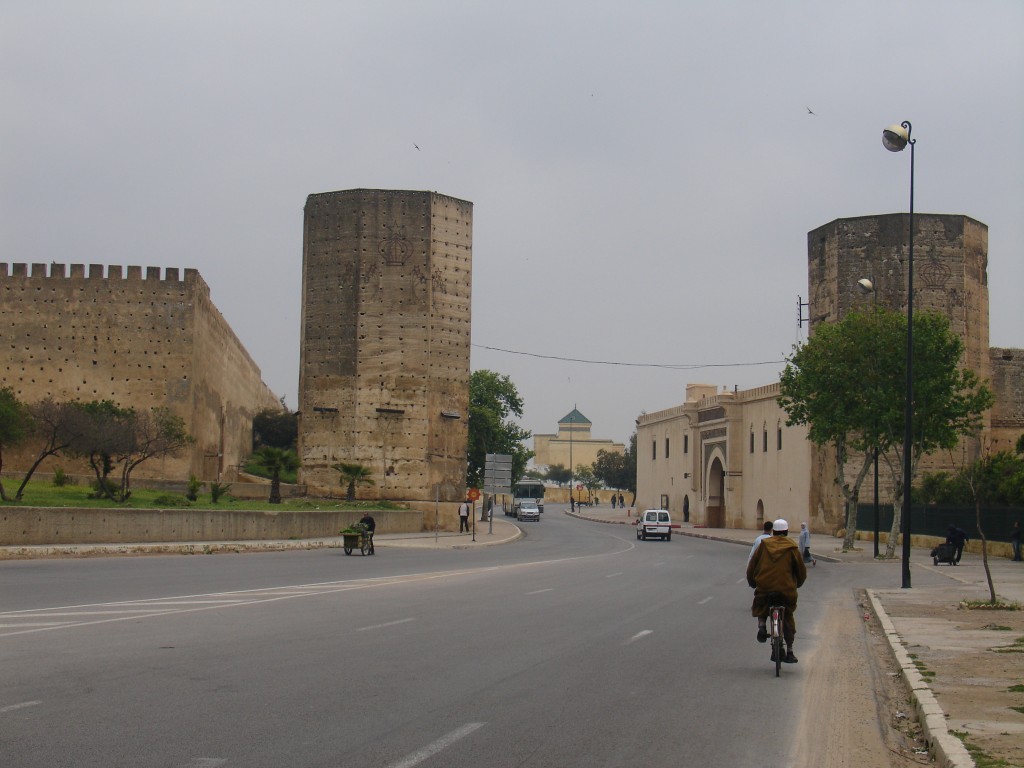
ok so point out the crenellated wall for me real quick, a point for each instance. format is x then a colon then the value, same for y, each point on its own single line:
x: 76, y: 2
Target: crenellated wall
x: 141, y: 338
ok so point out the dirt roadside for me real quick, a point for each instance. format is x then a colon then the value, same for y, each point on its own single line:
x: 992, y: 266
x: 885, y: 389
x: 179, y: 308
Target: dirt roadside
x: 856, y: 710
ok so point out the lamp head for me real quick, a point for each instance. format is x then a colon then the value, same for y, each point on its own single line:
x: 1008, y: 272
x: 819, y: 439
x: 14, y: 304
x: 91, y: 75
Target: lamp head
x: 866, y: 285
x: 895, y: 138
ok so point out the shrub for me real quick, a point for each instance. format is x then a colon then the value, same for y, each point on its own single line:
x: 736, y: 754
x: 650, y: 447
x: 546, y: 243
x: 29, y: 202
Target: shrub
x: 193, y: 488
x: 60, y: 477
x: 170, y: 500
x: 217, y: 490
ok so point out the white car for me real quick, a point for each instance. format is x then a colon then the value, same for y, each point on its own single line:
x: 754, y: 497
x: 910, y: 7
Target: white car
x: 654, y: 522
x: 528, y: 510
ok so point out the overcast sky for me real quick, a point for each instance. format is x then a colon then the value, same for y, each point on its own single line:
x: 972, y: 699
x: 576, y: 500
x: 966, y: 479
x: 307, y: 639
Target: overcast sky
x: 643, y: 174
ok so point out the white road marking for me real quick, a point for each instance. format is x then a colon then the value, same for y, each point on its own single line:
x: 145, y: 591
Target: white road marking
x: 741, y: 581
x: 385, y: 624
x: 539, y: 591
x: 639, y: 635
x: 22, y: 705
x: 20, y: 622
x: 613, y: 575
x: 206, y: 762
x: 443, y: 743
x: 705, y: 600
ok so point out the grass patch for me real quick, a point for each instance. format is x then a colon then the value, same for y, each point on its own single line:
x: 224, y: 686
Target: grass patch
x: 983, y: 605
x: 1016, y: 689
x: 923, y: 669
x: 1017, y: 647
x: 997, y: 627
x: 47, y: 495
x: 1018, y: 709
x: 981, y: 760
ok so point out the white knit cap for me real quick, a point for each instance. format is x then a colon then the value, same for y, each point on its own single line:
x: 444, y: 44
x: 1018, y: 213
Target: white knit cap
x: 780, y: 525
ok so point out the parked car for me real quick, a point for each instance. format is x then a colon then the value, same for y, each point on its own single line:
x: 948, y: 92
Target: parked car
x: 654, y: 522
x: 528, y: 510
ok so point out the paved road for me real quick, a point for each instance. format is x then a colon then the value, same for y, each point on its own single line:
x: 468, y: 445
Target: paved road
x: 574, y: 646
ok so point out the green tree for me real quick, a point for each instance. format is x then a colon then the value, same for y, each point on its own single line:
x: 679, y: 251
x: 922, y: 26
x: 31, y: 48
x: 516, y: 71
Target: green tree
x: 275, y: 427
x: 558, y: 473
x: 105, y: 432
x: 55, y: 427
x: 847, y: 384
x: 110, y: 437
x: 585, y: 476
x: 353, y: 475
x: 274, y: 461
x: 618, y: 470
x: 15, y: 426
x: 493, y: 400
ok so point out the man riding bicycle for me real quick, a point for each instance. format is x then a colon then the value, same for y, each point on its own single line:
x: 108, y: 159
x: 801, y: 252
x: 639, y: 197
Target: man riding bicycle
x: 776, y: 568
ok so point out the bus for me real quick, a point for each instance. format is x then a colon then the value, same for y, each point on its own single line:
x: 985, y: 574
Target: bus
x: 528, y: 489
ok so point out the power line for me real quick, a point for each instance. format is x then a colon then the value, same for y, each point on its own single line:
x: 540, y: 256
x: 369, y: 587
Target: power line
x: 679, y: 367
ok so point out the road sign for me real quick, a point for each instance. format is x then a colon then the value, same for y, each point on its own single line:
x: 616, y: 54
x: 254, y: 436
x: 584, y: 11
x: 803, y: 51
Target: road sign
x: 498, y: 473
x: 473, y: 494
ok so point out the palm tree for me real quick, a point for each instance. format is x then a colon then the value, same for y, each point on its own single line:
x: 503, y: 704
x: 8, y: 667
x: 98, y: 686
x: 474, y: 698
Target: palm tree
x: 274, y: 461
x: 352, y: 475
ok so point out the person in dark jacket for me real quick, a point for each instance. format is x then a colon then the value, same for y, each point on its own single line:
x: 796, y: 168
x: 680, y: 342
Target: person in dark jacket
x: 957, y: 537
x: 776, y: 567
x: 371, y: 526
x: 1015, y: 541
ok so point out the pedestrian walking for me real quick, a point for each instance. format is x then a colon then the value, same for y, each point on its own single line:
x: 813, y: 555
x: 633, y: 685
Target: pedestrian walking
x: 613, y: 501
x: 1015, y: 541
x: 804, y: 543
x: 464, y: 517
x: 572, y: 503
x: 621, y: 505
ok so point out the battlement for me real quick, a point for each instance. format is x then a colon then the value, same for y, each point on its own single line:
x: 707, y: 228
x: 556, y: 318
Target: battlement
x: 55, y: 271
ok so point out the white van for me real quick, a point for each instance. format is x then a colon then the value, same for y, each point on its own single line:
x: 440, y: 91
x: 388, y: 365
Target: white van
x: 654, y: 522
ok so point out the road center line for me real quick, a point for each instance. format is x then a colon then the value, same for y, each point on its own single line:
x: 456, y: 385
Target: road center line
x: 385, y: 624
x: 430, y: 750
x: 705, y: 600
x: 22, y: 705
x: 539, y: 591
x: 613, y: 575
x: 639, y: 635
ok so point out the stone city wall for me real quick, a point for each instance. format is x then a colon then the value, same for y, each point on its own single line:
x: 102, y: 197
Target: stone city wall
x: 140, y: 339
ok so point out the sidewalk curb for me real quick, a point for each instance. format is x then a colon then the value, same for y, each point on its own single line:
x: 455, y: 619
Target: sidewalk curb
x: 423, y: 541
x: 945, y: 746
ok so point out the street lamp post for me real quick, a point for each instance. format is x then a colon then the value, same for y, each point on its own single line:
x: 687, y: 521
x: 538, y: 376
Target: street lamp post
x: 895, y: 138
x: 868, y: 286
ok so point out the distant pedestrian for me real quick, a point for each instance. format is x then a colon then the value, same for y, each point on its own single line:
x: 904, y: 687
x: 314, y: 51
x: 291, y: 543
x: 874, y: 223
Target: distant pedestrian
x: 767, y: 528
x: 804, y: 543
x: 957, y: 537
x: 572, y: 503
x: 464, y: 517
x: 613, y: 501
x: 1015, y: 541
x: 621, y: 505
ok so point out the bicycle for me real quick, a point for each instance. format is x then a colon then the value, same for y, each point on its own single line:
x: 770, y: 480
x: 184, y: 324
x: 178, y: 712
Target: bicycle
x: 776, y: 621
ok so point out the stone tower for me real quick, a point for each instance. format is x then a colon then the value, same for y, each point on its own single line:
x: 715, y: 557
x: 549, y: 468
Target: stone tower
x: 384, y: 369
x: 950, y: 277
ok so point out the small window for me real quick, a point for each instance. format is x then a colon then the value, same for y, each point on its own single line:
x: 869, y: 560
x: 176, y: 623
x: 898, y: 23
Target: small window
x: 686, y: 443
x: 666, y: 447
x: 778, y: 439
x: 751, y: 442
x: 764, y: 441
x: 663, y: 517
x: 654, y: 450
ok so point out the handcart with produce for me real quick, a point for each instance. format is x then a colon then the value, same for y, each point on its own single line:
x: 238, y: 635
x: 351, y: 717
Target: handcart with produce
x: 357, y: 537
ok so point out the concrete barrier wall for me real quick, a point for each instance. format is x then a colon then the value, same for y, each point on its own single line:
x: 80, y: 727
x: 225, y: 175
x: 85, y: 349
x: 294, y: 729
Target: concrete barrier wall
x: 28, y: 526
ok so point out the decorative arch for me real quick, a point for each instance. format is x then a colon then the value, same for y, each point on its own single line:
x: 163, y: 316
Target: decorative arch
x: 760, y: 513
x: 715, y: 508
